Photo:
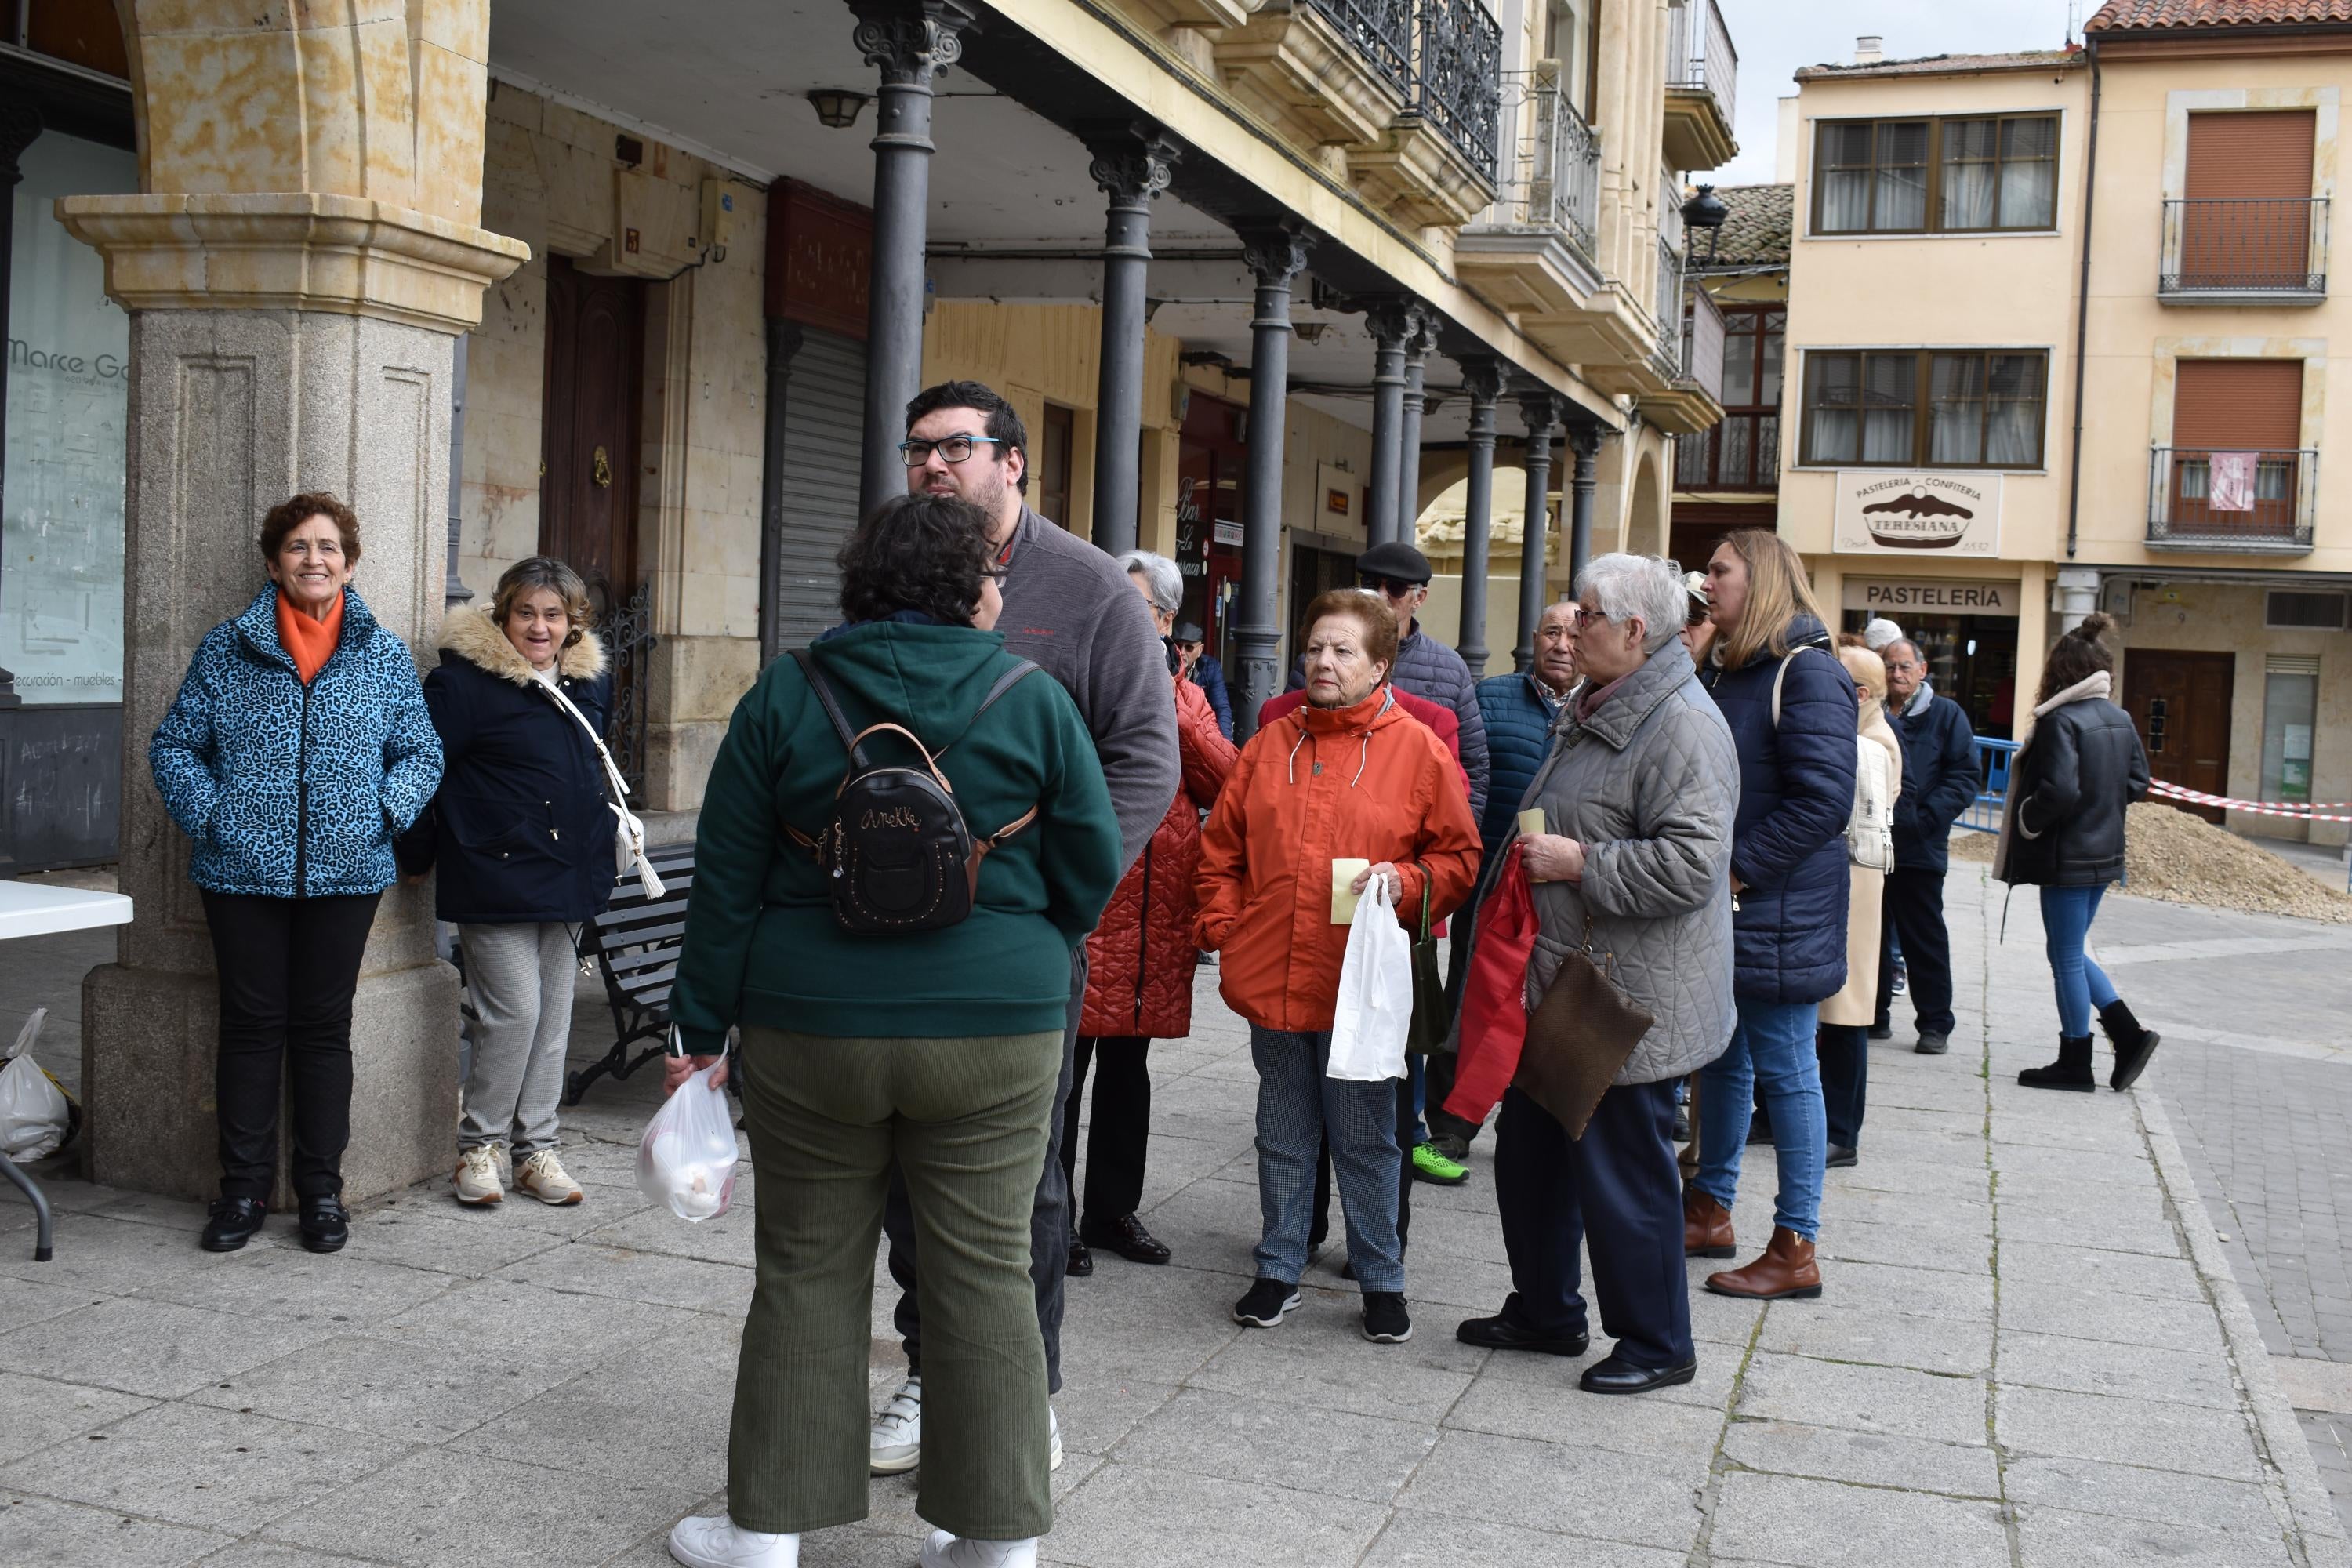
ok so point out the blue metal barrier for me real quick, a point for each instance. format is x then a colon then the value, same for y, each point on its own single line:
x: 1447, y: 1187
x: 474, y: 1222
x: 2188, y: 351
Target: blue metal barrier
x: 1993, y: 758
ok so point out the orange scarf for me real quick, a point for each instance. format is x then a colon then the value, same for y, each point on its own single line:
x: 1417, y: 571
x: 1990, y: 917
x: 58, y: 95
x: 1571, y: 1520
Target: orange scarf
x: 310, y: 642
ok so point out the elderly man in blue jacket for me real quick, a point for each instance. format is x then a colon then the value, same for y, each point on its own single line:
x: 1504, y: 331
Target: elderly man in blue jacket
x: 1518, y: 711
x: 1940, y: 777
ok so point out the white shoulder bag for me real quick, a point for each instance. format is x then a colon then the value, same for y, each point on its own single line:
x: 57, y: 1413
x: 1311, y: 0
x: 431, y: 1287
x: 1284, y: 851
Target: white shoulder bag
x: 628, y: 833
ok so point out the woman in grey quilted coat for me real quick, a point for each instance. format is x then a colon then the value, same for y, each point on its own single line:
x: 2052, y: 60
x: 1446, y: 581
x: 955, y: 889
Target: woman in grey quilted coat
x: 1638, y: 799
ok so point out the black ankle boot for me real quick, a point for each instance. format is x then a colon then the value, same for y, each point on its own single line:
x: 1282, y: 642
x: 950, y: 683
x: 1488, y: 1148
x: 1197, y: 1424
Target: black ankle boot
x: 232, y: 1222
x: 2133, y: 1044
x: 2071, y: 1070
x: 326, y: 1225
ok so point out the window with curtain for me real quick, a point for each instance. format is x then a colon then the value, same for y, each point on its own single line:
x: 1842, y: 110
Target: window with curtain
x: 1925, y: 408
x: 1972, y: 175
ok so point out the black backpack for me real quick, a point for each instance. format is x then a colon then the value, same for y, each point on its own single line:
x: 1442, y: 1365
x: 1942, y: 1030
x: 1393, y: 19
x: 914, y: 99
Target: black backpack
x: 897, y: 854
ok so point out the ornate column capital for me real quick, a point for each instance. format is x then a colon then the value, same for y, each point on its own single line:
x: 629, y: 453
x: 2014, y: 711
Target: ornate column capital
x: 1423, y: 342
x: 1395, y: 322
x: 1482, y: 378
x: 910, y: 41
x: 20, y: 125
x: 1541, y: 407
x: 1584, y: 439
x: 1275, y: 252
x: 1133, y: 164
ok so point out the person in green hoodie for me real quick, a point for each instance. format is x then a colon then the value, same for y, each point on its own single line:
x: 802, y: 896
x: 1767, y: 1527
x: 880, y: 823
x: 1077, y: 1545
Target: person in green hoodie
x: 940, y: 1050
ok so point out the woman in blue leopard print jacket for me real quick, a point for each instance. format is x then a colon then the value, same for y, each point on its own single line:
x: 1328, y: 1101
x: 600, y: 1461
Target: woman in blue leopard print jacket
x: 298, y: 746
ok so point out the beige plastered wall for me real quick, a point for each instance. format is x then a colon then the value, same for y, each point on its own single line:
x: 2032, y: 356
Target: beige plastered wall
x: 550, y: 178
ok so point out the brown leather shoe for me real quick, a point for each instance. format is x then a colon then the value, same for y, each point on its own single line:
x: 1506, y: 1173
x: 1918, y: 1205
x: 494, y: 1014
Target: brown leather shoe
x: 1786, y: 1271
x: 1706, y: 1226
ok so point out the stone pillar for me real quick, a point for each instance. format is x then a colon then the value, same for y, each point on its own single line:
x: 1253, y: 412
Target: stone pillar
x: 910, y: 41
x: 1395, y: 324
x: 1541, y: 410
x: 1131, y: 167
x: 455, y: 592
x: 1275, y: 255
x: 1416, y: 403
x: 784, y: 340
x: 294, y: 291
x: 1482, y: 378
x: 1584, y: 440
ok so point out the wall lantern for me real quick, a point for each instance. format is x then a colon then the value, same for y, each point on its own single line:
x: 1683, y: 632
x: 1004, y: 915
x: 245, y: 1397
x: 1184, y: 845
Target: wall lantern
x: 836, y: 106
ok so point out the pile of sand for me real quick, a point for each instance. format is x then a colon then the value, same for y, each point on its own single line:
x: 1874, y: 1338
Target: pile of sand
x: 2185, y: 859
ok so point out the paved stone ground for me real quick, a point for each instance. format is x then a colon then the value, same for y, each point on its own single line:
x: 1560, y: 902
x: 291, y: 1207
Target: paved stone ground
x: 2032, y: 1352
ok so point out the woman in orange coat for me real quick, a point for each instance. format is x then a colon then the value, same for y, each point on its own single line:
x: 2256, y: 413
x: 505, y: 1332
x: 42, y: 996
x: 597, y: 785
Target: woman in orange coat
x: 1349, y: 776
x: 1140, y: 966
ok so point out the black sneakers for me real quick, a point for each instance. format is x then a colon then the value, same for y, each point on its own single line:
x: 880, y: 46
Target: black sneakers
x: 232, y: 1222
x: 1268, y: 1302
x: 1385, y: 1321
x: 325, y: 1225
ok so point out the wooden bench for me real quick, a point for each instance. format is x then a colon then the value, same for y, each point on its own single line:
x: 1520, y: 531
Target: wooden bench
x: 635, y: 943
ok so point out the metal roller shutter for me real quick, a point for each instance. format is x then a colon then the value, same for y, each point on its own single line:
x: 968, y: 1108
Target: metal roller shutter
x: 2238, y: 405
x: 2256, y: 156
x: 823, y: 399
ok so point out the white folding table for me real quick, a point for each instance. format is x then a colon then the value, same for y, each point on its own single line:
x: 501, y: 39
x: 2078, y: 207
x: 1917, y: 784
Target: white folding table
x: 31, y: 909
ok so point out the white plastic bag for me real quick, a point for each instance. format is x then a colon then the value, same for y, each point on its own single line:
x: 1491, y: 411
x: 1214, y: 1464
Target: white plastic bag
x: 686, y: 1162
x: 34, y: 1115
x: 1375, y: 1011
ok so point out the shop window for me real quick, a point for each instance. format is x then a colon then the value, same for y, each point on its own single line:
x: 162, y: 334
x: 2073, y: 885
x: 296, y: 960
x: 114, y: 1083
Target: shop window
x: 1937, y: 176
x: 1919, y: 408
x: 2290, y: 715
x: 61, y: 539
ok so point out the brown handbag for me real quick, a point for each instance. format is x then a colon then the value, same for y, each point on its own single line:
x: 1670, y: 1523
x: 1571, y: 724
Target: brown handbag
x: 1578, y: 1037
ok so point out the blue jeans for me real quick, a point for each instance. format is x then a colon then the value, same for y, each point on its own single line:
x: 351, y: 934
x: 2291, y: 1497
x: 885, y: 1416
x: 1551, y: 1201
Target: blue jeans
x: 2067, y: 917
x: 1770, y: 1059
x: 1298, y: 1107
x: 1417, y: 1069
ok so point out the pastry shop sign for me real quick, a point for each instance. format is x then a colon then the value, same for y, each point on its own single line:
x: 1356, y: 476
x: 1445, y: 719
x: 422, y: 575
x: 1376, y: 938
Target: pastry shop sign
x: 1923, y: 516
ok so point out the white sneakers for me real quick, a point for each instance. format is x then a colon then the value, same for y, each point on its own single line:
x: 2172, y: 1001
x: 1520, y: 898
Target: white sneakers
x: 543, y: 1177
x: 895, y: 1444
x: 477, y: 1176
x: 716, y: 1541
x: 946, y: 1551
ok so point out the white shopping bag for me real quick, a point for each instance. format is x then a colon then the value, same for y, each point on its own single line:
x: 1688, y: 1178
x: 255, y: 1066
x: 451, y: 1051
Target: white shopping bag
x: 34, y: 1116
x: 686, y: 1162
x: 1375, y: 1011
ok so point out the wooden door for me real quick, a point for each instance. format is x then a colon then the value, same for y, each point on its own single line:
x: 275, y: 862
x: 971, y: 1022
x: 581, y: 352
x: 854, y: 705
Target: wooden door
x: 595, y: 359
x: 2180, y: 702
x: 2247, y: 220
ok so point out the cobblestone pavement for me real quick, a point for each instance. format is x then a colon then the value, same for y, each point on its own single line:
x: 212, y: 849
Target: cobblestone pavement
x: 2031, y: 1352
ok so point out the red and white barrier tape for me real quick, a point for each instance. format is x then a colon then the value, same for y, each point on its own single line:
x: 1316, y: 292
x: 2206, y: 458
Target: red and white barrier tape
x: 2314, y: 813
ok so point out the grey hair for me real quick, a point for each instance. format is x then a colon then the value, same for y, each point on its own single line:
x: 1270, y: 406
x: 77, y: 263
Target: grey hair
x: 1163, y: 585
x: 1626, y: 586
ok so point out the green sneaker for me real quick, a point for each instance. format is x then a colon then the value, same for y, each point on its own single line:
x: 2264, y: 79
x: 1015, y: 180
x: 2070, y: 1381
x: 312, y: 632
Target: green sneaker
x: 1429, y: 1165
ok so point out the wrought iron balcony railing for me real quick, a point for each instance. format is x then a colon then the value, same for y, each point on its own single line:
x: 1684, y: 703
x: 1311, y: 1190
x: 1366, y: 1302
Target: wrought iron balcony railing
x: 1699, y: 56
x: 2202, y: 499
x: 1550, y: 176
x: 1702, y: 327
x: 1670, y: 354
x: 1444, y: 58
x: 2267, y: 249
x: 1743, y: 453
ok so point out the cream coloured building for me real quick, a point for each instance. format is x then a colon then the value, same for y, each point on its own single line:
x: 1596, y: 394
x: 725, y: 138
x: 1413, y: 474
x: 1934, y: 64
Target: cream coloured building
x: 1967, y: 448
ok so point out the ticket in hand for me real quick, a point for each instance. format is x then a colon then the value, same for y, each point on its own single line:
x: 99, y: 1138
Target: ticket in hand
x: 1343, y: 893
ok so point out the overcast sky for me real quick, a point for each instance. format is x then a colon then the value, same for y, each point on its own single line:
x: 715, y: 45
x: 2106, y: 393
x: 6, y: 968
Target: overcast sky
x: 1775, y: 36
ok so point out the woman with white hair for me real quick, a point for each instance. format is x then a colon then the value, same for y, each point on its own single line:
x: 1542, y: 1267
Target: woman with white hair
x: 1634, y: 863
x: 1140, y: 965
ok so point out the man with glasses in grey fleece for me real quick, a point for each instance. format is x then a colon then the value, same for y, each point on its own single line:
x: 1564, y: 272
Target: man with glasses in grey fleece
x: 1070, y: 608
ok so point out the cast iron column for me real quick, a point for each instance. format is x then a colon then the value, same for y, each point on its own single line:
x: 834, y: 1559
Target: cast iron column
x: 1131, y: 167
x: 1393, y: 323
x: 20, y: 124
x: 1584, y: 440
x: 784, y: 340
x: 1416, y: 403
x: 1541, y: 410
x: 1275, y: 255
x: 909, y: 41
x: 453, y: 591
x: 1482, y: 378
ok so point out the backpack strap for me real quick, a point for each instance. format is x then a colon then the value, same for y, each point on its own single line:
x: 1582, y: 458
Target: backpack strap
x: 1004, y: 683
x: 806, y: 660
x: 1781, y: 675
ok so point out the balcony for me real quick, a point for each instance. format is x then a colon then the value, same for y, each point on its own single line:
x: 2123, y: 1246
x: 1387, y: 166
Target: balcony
x: 2198, y: 498
x: 1401, y: 94
x: 2231, y: 251
x: 1533, y: 252
x: 1741, y: 453
x: 1702, y: 86
x: 1690, y: 357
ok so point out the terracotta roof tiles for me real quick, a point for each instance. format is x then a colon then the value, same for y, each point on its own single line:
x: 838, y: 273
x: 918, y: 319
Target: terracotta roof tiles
x: 2142, y: 16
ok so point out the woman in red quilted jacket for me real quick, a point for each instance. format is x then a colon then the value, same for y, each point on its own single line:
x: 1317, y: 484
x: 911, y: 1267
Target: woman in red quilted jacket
x: 1140, y: 965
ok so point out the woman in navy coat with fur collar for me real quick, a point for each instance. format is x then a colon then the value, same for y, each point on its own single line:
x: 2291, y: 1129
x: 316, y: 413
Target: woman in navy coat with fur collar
x: 521, y: 836
x: 1792, y: 713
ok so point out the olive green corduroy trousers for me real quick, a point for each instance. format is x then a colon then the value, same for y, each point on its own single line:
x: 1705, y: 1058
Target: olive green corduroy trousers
x: 964, y: 1120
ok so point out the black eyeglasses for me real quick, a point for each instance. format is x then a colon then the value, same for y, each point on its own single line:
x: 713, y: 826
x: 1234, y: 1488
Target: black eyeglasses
x: 952, y: 449
x: 1394, y: 587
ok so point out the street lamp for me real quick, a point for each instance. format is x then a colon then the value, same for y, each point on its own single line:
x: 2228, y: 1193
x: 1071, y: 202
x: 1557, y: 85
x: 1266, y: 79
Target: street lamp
x: 836, y: 106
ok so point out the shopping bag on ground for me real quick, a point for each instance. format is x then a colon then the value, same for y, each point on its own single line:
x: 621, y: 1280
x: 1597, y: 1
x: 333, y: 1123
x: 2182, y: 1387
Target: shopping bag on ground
x: 1375, y: 1010
x: 686, y: 1162
x: 34, y: 1114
